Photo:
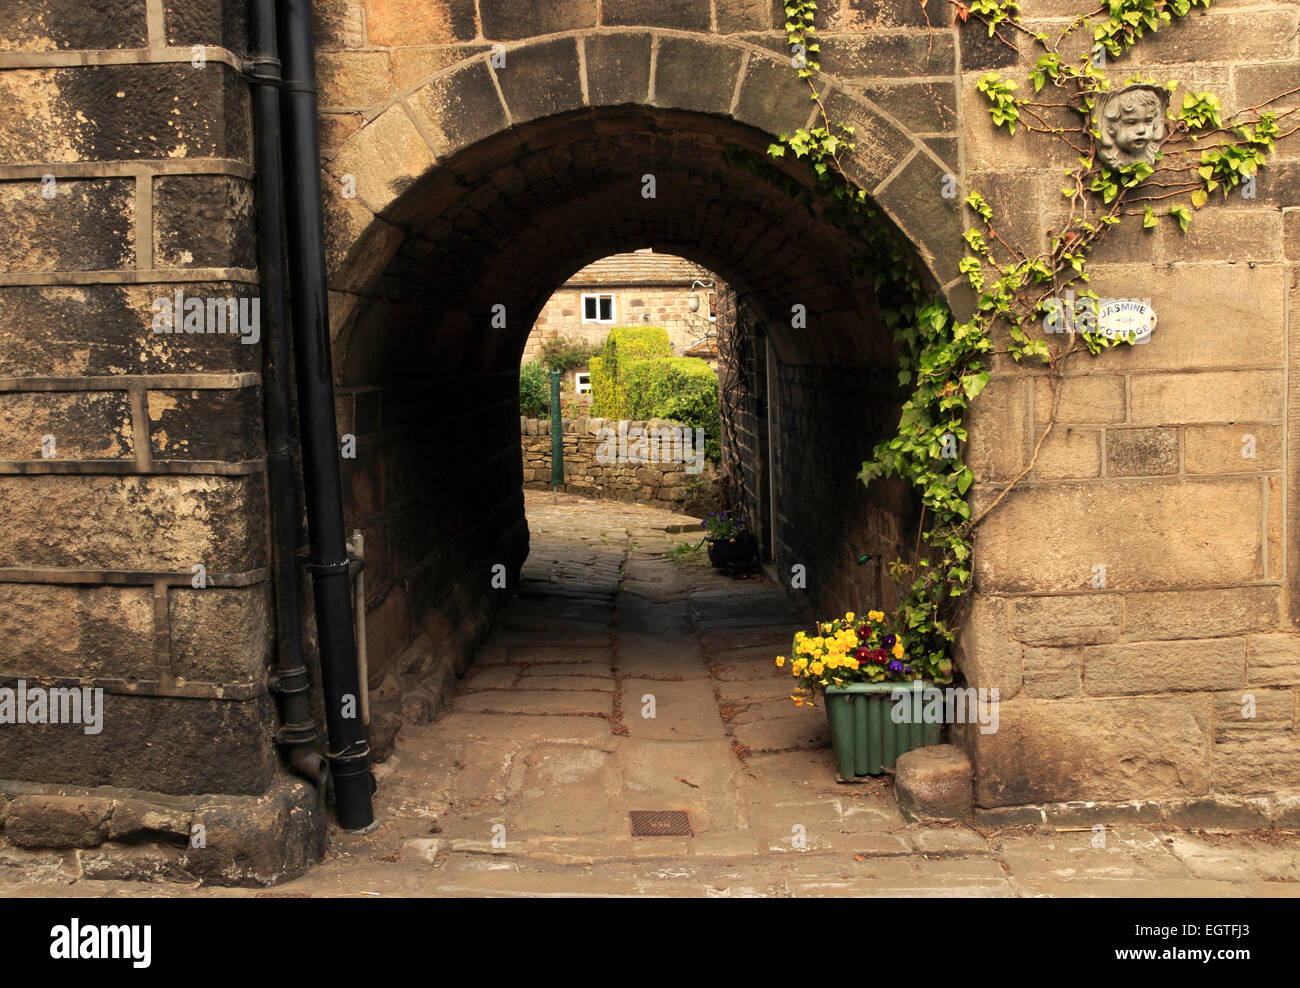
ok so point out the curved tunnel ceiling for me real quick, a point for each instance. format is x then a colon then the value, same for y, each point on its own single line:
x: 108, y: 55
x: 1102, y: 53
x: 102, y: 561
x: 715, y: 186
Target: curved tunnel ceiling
x: 509, y: 220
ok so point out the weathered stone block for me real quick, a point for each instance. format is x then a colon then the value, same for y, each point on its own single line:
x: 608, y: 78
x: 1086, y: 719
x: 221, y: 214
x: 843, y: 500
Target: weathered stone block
x: 1069, y: 453
x: 459, y: 108
x: 919, y: 106
x: 382, y: 157
x: 159, y: 743
x: 1224, y: 396
x: 1273, y: 660
x: 914, y: 198
x: 1242, y: 713
x: 772, y: 97
x: 885, y: 55
x: 1248, y: 299
x: 1079, y: 619
x: 1246, y: 234
x: 735, y: 16
x: 134, y: 820
x: 1199, y: 613
x: 87, y: 225
x: 68, y: 25
x: 685, y: 15
x: 984, y: 653
x: 354, y: 79
x: 79, y: 632
x: 507, y: 19
x: 1160, y: 667
x: 1141, y: 452
x: 934, y: 784
x: 541, y: 80
x: 85, y: 425
x: 618, y: 68
x: 124, y: 113
x: 693, y: 75
x: 265, y: 842
x: 1094, y: 749
x: 394, y: 23
x: 339, y: 24
x: 217, y: 521
x: 204, y: 221
x: 1148, y: 536
x: 57, y: 821
x: 1052, y: 673
x: 1223, y: 448
x: 220, y: 636
x: 1256, y: 761
x: 206, y: 22
x: 206, y: 425
x: 999, y: 430
x: 1219, y: 813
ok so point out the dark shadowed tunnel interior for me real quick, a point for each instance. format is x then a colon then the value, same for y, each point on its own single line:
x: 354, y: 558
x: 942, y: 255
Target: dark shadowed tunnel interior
x: 427, y: 360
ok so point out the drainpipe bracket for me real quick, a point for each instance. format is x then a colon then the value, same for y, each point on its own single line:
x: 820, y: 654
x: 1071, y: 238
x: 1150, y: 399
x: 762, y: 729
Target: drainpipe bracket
x: 263, y: 70
x: 327, y: 569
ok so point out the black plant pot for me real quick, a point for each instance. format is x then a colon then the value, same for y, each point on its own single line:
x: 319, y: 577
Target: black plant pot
x: 737, y: 552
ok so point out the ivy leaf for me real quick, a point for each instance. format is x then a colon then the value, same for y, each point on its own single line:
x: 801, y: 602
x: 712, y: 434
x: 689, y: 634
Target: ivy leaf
x: 1181, y: 214
x: 1149, y: 219
x: 1199, y: 198
x: 973, y: 384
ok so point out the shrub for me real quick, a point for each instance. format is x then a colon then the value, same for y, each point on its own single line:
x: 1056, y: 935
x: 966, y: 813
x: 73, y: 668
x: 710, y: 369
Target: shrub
x: 564, y: 355
x: 683, y: 389
x: 534, y: 390
x: 625, y: 345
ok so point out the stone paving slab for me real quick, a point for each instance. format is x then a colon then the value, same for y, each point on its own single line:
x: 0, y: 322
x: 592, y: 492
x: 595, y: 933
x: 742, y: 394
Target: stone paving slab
x: 529, y: 701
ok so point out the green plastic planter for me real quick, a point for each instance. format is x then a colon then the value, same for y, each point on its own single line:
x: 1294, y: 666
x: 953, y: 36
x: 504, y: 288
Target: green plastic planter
x: 865, y: 738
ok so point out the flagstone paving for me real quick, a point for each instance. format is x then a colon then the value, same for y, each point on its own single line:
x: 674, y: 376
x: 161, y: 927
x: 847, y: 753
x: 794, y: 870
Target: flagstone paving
x: 624, y: 679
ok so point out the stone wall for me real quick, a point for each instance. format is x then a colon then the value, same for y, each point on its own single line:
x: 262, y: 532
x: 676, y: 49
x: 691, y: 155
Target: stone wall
x: 438, y: 507
x: 664, y: 481
x: 1137, y: 601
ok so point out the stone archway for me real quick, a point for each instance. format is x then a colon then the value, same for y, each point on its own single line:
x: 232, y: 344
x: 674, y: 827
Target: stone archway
x: 484, y: 188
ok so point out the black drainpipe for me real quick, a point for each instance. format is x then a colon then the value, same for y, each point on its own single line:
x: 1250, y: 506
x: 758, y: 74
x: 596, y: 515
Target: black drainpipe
x: 349, y: 754
x: 298, y: 731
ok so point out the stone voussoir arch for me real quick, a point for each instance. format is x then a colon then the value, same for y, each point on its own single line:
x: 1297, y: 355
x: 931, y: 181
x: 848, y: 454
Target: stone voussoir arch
x: 446, y: 114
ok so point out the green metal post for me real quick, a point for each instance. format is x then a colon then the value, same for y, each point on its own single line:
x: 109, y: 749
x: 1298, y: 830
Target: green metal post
x: 557, y: 435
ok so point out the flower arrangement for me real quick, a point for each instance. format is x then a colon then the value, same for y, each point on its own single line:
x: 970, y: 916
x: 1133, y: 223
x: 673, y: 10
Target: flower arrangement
x: 721, y: 525
x: 846, y: 650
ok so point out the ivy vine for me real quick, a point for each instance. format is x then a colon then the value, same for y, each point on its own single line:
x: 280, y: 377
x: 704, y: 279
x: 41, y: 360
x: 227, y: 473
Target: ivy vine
x: 944, y: 360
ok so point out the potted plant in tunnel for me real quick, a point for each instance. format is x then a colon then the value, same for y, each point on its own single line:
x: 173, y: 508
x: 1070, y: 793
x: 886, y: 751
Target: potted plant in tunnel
x: 730, y: 546
x: 873, y: 691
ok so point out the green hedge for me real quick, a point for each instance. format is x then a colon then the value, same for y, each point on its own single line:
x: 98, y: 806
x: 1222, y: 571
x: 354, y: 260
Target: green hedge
x: 624, y: 346
x: 534, y: 390
x: 683, y: 389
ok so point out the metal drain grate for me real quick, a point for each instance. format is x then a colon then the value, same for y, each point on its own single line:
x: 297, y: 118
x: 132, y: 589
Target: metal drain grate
x: 660, y: 823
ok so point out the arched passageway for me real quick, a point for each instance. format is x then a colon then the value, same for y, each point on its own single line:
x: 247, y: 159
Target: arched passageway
x: 427, y: 351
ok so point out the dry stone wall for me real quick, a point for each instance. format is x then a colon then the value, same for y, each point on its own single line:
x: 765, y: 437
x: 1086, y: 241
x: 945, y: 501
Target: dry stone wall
x: 595, y: 468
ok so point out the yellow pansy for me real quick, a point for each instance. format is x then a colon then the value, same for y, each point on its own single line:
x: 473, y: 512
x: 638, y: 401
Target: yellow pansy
x: 898, y: 650
x: 780, y: 661
x: 875, y: 615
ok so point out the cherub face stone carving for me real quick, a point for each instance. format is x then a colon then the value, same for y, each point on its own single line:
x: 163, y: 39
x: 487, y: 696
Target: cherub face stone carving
x: 1131, y: 123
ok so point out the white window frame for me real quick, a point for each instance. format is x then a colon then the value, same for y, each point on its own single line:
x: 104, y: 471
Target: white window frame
x: 613, y: 315
x: 581, y: 386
